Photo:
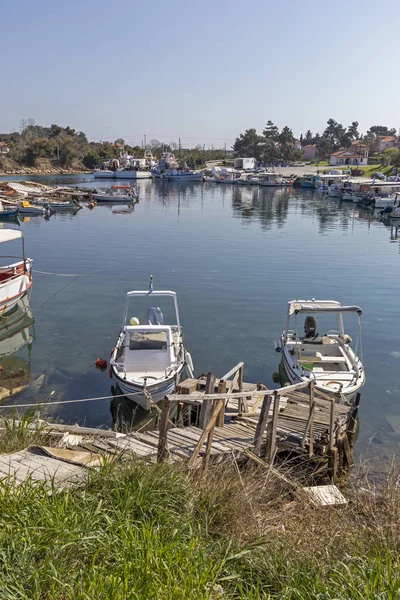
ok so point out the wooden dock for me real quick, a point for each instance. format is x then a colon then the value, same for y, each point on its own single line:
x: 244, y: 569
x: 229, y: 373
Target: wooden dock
x: 214, y: 419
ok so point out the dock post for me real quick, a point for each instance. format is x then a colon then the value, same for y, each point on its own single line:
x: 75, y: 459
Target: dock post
x: 352, y: 425
x: 221, y: 414
x: 207, y: 404
x: 262, y: 423
x: 311, y: 419
x: 205, y: 433
x: 271, y: 440
x: 240, y: 386
x: 333, y: 454
x: 162, y: 452
x: 206, y: 458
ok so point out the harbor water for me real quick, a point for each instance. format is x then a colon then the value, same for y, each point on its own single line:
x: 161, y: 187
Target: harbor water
x: 235, y: 256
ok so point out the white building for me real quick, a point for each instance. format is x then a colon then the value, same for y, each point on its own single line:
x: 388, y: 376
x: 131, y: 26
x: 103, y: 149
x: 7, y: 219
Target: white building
x: 4, y: 149
x: 350, y: 157
x: 244, y: 163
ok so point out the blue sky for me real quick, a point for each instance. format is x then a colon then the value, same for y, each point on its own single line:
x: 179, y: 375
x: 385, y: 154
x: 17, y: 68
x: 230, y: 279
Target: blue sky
x: 204, y: 71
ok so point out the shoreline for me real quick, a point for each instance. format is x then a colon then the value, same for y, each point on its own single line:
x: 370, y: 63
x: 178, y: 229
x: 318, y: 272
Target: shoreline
x: 34, y: 171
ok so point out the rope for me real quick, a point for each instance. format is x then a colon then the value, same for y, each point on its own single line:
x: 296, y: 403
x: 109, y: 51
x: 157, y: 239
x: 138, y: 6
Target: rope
x: 68, y: 401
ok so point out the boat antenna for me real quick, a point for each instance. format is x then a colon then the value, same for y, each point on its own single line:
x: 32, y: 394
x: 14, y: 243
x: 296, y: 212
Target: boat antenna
x: 151, y: 284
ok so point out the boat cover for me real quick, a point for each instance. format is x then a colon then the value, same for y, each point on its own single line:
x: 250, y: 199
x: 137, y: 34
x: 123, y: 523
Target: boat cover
x: 7, y: 235
x: 310, y: 306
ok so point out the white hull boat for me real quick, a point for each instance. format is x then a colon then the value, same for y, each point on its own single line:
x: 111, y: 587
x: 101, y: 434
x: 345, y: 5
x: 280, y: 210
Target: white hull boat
x: 327, y: 359
x: 274, y: 180
x: 335, y: 191
x: 149, y: 357
x: 16, y: 278
x: 382, y: 202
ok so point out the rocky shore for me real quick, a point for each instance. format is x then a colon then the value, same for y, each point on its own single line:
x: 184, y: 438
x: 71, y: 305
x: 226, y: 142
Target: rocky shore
x: 36, y: 171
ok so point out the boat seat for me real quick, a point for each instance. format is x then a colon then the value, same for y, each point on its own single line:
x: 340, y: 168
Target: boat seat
x: 320, y: 358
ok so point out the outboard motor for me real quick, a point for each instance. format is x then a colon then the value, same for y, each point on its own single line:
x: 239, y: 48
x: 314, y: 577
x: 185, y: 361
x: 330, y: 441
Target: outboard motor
x: 310, y: 327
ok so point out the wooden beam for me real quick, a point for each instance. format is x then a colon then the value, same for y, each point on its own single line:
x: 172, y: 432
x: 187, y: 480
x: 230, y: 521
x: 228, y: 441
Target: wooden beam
x: 331, y: 424
x: 262, y: 423
x: 352, y: 424
x: 162, y: 452
x: 229, y: 374
x: 271, y: 441
x: 206, y: 458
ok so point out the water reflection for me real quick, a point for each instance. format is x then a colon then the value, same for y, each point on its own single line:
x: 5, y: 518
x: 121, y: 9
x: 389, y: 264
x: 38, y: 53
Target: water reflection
x: 16, y: 335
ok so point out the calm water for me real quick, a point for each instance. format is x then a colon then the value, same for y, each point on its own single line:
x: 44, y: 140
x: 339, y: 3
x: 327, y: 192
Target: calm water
x: 234, y: 256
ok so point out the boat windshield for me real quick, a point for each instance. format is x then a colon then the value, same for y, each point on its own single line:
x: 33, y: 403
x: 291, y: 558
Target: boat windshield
x: 148, y: 340
x: 151, y: 309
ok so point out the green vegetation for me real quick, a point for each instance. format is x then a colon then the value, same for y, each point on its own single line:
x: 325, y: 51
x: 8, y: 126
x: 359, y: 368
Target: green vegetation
x: 137, y: 531
x: 275, y: 146
x: 56, y: 146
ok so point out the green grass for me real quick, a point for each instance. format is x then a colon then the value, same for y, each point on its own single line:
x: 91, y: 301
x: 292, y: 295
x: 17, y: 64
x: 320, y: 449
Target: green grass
x: 135, y: 531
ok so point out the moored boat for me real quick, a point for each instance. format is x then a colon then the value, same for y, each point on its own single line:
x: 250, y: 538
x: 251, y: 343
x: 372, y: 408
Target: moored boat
x: 275, y: 180
x: 116, y: 193
x: 15, y: 278
x: 149, y: 356
x: 328, y: 359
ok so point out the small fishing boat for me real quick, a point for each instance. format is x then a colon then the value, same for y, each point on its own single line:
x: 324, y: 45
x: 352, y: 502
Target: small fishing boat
x: 7, y: 212
x: 149, y: 356
x: 385, y: 202
x: 63, y: 206
x: 328, y: 359
x: 104, y: 174
x: 15, y: 278
x: 116, y: 193
x: 26, y: 208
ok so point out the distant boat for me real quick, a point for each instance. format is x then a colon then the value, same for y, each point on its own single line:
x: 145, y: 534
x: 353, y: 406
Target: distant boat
x: 8, y: 212
x: 104, y: 174
x: 149, y: 356
x: 116, y: 193
x: 275, y: 180
x: 169, y: 169
x: 15, y: 278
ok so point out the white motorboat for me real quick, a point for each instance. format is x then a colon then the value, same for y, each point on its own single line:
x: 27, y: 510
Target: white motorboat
x: 15, y: 278
x: 132, y: 173
x: 26, y: 208
x: 116, y: 193
x: 149, y: 356
x: 329, y: 358
x: 335, y: 190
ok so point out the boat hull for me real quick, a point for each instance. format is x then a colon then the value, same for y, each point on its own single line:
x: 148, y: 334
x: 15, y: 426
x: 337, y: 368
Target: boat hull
x: 12, y: 290
x: 132, y: 175
x: 112, y: 199
x: 135, y: 392
x: 104, y: 174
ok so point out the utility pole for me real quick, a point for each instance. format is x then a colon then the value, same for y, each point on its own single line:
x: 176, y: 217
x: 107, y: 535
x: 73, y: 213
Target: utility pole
x: 179, y: 147
x: 225, y: 150
x: 145, y: 144
x: 203, y: 152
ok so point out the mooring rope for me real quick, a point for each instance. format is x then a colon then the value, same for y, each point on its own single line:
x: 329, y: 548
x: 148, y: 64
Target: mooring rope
x: 33, y: 404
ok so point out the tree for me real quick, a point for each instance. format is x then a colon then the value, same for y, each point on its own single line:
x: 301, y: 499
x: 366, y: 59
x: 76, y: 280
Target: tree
x: 271, y: 131
x: 352, y: 131
x: 308, y: 138
x: 120, y: 141
x: 381, y: 130
x: 390, y: 156
x: 248, y: 143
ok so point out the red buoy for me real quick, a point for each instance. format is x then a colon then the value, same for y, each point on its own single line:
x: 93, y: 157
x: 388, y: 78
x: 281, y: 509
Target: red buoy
x: 101, y: 363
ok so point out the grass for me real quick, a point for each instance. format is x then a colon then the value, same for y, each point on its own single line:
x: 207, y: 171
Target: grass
x: 135, y: 531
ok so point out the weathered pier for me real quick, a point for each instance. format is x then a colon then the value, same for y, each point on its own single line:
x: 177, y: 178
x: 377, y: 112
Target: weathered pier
x: 206, y: 421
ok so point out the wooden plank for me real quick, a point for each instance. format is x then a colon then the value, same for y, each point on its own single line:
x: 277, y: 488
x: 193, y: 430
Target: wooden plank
x: 188, y: 386
x: 311, y: 420
x: 325, y: 495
